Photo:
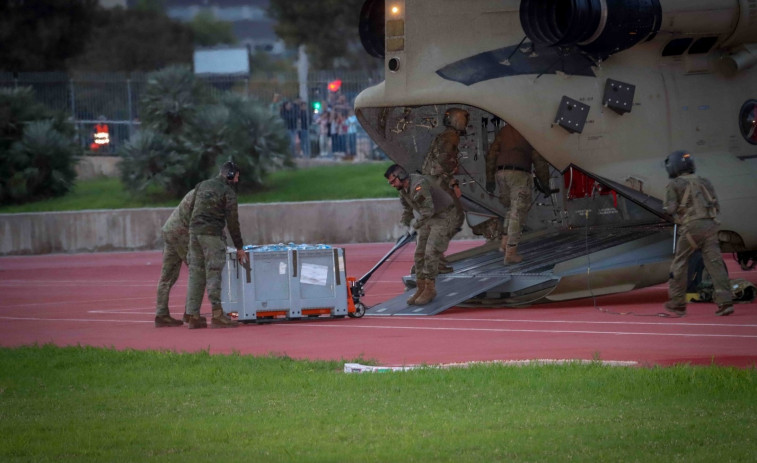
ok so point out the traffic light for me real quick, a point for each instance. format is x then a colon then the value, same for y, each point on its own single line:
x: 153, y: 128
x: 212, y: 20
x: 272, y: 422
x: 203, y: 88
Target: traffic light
x: 316, y: 107
x: 335, y: 85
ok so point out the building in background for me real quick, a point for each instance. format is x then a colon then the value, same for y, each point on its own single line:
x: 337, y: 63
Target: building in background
x: 249, y: 18
x: 113, y: 3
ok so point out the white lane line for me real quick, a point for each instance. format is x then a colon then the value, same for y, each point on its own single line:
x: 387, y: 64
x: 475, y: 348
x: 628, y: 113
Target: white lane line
x: 508, y: 330
x: 66, y: 304
x: 588, y: 322
x: 40, y: 319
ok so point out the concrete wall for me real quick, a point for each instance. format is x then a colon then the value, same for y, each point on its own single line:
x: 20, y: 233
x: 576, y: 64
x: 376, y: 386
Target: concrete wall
x: 328, y: 222
x: 97, y: 166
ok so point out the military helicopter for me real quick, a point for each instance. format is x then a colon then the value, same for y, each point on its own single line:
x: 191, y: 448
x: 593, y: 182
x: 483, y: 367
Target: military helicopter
x: 603, y: 90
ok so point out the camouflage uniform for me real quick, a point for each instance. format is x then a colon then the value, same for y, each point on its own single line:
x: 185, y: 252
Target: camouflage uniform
x: 437, y: 214
x: 175, y: 243
x: 692, y: 202
x: 509, y: 161
x: 215, y: 207
x: 441, y: 165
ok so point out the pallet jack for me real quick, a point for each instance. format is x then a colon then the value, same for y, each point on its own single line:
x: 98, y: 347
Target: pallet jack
x: 355, y: 287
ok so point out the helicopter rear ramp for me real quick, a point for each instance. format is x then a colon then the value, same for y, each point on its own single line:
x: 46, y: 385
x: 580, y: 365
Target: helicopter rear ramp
x: 568, y: 264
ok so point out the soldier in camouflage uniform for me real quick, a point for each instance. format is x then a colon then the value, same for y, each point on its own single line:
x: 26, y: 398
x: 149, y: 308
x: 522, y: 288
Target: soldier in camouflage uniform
x: 441, y: 164
x: 692, y: 202
x: 509, y: 161
x: 215, y: 207
x: 436, y: 212
x: 175, y: 243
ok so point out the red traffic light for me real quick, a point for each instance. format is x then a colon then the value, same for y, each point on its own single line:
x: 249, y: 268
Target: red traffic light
x: 335, y: 85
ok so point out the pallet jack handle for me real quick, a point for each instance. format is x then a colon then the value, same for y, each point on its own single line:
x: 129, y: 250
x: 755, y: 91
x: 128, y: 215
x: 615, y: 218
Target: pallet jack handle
x: 356, y: 290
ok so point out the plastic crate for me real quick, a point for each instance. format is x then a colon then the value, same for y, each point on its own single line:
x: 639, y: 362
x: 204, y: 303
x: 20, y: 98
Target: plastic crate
x: 283, y: 282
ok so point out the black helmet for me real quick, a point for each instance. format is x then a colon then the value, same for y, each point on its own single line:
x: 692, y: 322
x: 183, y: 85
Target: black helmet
x: 678, y: 163
x: 229, y: 169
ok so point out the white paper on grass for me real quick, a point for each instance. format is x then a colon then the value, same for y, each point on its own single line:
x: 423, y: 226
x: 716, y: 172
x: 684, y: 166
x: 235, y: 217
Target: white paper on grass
x: 314, y: 274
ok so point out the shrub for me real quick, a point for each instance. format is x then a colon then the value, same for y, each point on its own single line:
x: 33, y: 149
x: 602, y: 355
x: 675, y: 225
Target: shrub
x: 38, y: 153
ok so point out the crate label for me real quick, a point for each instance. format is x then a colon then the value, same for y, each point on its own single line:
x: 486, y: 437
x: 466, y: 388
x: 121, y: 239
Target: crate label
x: 282, y: 268
x: 313, y: 274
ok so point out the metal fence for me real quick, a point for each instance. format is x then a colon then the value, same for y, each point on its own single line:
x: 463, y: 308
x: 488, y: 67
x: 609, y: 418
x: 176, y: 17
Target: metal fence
x: 113, y: 99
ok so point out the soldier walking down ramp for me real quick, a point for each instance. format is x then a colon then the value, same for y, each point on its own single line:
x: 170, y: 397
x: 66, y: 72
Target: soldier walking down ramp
x: 441, y: 164
x: 436, y: 211
x: 692, y: 202
x: 175, y: 245
x: 215, y: 207
x: 509, y: 162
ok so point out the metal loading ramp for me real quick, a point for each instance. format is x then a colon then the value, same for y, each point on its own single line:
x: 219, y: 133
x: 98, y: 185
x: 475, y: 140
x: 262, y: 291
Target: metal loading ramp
x: 480, y: 277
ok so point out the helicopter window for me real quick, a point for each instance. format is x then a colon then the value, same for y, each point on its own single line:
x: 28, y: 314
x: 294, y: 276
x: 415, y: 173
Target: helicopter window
x: 702, y: 45
x: 748, y: 121
x: 676, y: 47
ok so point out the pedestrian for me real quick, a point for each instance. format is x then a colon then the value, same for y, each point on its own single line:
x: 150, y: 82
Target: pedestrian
x: 289, y: 114
x: 509, y: 161
x: 275, y: 105
x: 303, y: 129
x: 324, y: 127
x: 175, y: 244
x: 435, y: 210
x: 442, y: 163
x: 692, y: 202
x: 352, y: 127
x: 215, y: 208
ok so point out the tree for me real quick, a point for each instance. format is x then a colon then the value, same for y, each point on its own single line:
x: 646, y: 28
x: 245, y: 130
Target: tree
x: 328, y: 29
x: 188, y: 131
x: 134, y: 40
x: 40, y: 35
x: 208, y: 31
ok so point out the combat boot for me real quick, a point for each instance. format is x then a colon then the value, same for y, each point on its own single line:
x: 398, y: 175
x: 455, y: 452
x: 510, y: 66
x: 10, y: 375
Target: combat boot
x: 679, y: 310
x: 444, y: 268
x: 428, y: 294
x: 195, y: 322
x: 420, y: 285
x: 162, y: 321
x: 512, y: 256
x: 221, y: 320
x: 724, y: 310
x: 185, y: 318
x: 503, y: 244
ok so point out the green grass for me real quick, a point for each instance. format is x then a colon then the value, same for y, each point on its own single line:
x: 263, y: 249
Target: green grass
x: 340, y: 181
x: 88, y: 404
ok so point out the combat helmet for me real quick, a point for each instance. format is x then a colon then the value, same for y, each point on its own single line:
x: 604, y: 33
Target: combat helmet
x: 456, y: 118
x: 229, y: 169
x: 678, y: 163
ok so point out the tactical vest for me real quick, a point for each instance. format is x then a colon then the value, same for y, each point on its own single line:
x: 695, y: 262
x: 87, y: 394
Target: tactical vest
x: 441, y: 158
x: 697, y: 201
x: 440, y: 198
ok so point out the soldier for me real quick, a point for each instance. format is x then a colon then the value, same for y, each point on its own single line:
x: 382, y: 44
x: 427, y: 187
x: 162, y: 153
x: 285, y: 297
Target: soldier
x: 215, y: 207
x: 175, y: 243
x: 509, y: 161
x: 441, y: 164
x: 436, y: 212
x: 692, y: 202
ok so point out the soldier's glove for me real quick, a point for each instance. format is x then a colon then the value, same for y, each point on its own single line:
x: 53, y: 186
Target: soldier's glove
x: 490, y: 186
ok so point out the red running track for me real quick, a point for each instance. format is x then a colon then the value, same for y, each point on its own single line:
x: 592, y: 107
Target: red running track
x: 108, y: 300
